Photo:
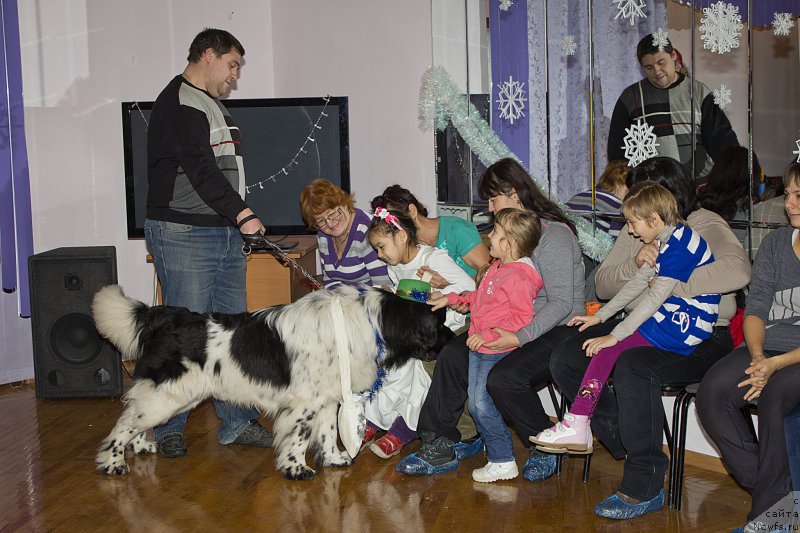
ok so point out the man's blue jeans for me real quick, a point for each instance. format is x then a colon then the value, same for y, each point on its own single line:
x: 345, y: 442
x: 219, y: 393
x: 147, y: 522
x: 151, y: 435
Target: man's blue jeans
x: 202, y: 269
x: 487, y: 418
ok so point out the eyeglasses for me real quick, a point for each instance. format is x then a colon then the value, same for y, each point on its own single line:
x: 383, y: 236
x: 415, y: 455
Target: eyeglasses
x: 324, y: 222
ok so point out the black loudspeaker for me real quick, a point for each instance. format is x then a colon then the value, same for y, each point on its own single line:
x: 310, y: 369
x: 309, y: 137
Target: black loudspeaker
x: 70, y: 358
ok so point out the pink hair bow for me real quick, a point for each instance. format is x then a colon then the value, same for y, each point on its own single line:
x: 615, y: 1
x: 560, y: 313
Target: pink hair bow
x: 386, y: 216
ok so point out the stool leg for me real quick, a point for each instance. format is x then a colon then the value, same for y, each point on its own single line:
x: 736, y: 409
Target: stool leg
x: 667, y: 433
x: 748, y: 415
x: 676, y: 410
x: 681, y: 451
x: 559, y: 408
x: 587, y: 461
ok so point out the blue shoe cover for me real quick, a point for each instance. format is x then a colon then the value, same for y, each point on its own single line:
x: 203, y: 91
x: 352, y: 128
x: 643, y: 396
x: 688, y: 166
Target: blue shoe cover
x: 414, y: 466
x: 614, y: 507
x: 465, y: 450
x: 539, y: 466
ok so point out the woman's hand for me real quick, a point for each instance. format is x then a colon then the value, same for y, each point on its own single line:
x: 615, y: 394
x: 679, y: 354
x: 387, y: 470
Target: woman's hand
x: 756, y: 358
x: 585, y: 321
x: 438, y: 301
x: 759, y: 373
x: 437, y: 281
x: 592, y: 346
x: 647, y: 254
x: 506, y: 341
x: 474, y: 342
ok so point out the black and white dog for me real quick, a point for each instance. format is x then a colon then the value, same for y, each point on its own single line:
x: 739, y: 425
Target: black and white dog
x: 282, y: 360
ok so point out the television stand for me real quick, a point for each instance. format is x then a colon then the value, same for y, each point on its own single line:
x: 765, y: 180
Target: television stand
x: 270, y: 282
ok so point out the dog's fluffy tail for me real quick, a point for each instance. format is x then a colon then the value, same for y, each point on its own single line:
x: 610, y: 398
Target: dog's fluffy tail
x: 117, y: 318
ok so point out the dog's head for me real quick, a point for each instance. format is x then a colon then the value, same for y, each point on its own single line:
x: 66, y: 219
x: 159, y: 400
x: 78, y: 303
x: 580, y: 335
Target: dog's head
x: 409, y: 328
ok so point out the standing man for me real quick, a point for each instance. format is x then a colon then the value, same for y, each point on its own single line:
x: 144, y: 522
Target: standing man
x: 196, y: 211
x: 663, y: 99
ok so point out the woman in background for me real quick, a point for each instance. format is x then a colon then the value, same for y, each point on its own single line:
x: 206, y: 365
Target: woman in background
x: 727, y: 190
x: 608, y: 196
x: 345, y: 254
x: 460, y: 238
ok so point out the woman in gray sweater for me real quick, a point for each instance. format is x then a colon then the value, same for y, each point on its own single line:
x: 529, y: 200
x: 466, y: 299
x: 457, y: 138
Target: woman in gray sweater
x: 764, y: 368
x: 513, y: 383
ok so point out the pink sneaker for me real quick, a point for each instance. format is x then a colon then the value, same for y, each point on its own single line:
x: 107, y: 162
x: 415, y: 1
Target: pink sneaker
x: 571, y: 435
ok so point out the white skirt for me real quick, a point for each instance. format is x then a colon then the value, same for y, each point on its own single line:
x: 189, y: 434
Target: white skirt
x: 402, y: 394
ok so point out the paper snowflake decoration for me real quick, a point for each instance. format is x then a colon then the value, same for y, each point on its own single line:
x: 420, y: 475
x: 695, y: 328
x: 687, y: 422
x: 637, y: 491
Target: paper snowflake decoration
x: 782, y: 23
x: 629, y: 9
x: 511, y: 100
x: 568, y: 45
x: 722, y: 96
x: 797, y: 152
x: 661, y: 39
x: 505, y: 4
x: 640, y: 143
x: 720, y: 27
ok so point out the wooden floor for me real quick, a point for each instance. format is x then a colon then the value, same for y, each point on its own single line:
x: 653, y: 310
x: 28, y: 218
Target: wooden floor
x: 48, y: 483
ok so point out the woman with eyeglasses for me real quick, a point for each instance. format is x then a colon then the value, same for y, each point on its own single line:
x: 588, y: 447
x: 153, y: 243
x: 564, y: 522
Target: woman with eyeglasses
x: 344, y: 251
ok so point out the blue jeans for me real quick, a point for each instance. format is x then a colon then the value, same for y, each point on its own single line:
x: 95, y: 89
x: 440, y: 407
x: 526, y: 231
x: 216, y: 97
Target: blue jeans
x: 202, y: 269
x: 487, y: 418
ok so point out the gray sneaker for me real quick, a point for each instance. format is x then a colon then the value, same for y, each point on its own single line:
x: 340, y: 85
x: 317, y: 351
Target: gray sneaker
x: 432, y: 458
x: 255, y: 435
x: 171, y: 445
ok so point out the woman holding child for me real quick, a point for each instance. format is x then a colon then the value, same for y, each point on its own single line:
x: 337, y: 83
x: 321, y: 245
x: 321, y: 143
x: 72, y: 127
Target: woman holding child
x: 630, y: 425
x: 513, y: 382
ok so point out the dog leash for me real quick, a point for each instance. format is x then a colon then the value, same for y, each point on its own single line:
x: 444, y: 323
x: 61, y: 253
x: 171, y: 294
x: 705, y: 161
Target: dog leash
x: 258, y: 241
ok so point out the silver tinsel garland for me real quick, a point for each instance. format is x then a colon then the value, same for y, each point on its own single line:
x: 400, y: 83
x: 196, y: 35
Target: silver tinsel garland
x: 441, y: 102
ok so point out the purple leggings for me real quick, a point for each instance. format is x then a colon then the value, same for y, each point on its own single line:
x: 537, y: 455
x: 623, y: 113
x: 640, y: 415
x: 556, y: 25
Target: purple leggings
x: 399, y: 429
x: 596, y: 375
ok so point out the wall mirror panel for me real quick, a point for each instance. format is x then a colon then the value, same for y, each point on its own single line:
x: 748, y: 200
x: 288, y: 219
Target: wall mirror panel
x: 547, y: 75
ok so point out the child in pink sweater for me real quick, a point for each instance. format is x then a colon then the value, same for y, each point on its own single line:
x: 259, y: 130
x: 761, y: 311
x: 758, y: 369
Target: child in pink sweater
x: 504, y: 299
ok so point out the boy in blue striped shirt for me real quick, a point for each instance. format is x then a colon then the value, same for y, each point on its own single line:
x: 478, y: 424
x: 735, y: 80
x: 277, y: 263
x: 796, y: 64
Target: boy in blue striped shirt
x: 661, y: 319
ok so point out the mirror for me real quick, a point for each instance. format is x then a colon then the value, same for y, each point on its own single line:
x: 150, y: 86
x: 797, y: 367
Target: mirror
x: 549, y: 92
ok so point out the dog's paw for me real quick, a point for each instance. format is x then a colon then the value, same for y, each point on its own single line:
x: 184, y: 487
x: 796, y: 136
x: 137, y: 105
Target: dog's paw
x: 299, y: 472
x: 117, y: 469
x: 342, y: 459
x: 141, y: 445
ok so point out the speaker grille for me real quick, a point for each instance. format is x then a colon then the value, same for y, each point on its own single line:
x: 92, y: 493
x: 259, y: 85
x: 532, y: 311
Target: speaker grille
x: 74, y: 339
x: 70, y: 358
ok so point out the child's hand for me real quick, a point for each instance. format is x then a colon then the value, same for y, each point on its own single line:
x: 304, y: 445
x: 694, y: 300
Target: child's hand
x: 648, y: 253
x: 585, y: 321
x: 462, y: 308
x: 592, y: 346
x: 474, y: 342
x: 438, y: 301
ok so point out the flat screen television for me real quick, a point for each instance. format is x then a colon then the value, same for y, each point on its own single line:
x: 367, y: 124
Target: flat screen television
x: 286, y: 143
